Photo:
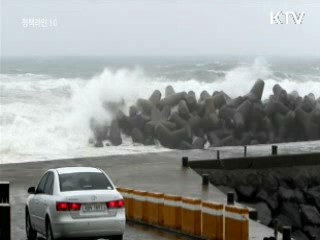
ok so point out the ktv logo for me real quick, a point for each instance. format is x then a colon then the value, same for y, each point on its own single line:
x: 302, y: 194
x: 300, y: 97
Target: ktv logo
x: 286, y: 17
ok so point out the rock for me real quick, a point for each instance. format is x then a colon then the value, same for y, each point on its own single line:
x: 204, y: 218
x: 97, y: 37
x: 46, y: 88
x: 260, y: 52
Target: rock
x: 246, y: 138
x: 309, y: 102
x: 198, y: 143
x: 241, y: 114
x: 286, y: 194
x: 299, y: 235
x: 264, y: 213
x: 192, y: 103
x: 283, y: 220
x: 192, y: 94
x: 169, y: 91
x: 165, y: 112
x: 310, y: 215
x: 210, y: 122
x: 280, y: 93
x: 274, y: 107
x: 311, y: 231
x: 213, y: 139
x: 235, y: 102
x: 226, y: 113
x: 125, y: 123
x: 204, y: 95
x: 294, y: 100
x: 156, y: 115
x: 310, y: 129
x: 256, y: 91
x: 155, y: 97
x: 172, y: 139
x: 209, y: 107
x: 139, y: 121
x: 267, y: 126
x: 313, y: 196
x: 269, y: 198
x: 194, y: 123
x: 185, y: 145
x: 223, y: 121
x: 291, y: 210
x: 172, y: 100
x: 114, y: 133
x: 219, y: 99
x: 137, y: 136
x: 184, y: 110
x: 246, y: 193
x: 133, y: 111
x: 98, y: 144
x: 229, y: 141
x: 145, y: 106
x: 180, y: 123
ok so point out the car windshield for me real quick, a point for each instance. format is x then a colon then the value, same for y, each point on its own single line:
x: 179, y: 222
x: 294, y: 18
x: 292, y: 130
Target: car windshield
x: 84, y: 181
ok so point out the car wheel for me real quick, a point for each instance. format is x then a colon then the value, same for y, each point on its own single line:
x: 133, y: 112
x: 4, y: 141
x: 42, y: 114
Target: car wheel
x: 116, y: 237
x: 31, y: 233
x: 49, y: 234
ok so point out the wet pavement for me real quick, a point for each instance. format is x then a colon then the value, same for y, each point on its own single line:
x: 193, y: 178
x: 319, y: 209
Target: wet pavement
x: 159, y: 172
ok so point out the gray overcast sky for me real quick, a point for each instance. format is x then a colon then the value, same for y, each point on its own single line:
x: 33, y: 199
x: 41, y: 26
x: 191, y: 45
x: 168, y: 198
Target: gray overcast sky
x: 158, y: 27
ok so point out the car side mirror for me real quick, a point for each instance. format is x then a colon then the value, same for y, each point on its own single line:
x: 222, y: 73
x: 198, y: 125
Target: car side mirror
x: 31, y: 190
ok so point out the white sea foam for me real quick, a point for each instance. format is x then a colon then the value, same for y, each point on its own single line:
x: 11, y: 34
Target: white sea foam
x: 47, y: 118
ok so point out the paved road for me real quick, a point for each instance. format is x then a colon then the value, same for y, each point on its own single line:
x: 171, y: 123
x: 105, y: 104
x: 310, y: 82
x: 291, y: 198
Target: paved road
x: 22, y: 176
x: 133, y: 231
x: 160, y: 172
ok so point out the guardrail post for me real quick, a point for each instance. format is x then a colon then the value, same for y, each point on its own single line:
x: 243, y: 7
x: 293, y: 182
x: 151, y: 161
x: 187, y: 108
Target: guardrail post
x: 185, y: 162
x: 274, y: 149
x: 286, y: 233
x: 245, y: 151
x: 191, y: 216
x: 5, y: 211
x: 172, y: 211
x: 154, y: 205
x: 4, y: 192
x: 205, y: 179
x: 230, y: 198
x: 236, y: 223
x: 275, y: 229
x: 139, y: 199
x: 212, y: 220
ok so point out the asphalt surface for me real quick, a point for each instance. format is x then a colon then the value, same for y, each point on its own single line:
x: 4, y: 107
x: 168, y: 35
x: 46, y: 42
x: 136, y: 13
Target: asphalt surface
x: 159, y: 172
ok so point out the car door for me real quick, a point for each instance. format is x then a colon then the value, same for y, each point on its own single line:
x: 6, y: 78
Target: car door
x: 44, y: 201
x: 35, y: 203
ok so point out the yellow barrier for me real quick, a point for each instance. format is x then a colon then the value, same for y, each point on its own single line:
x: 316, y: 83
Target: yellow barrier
x: 154, y: 205
x: 212, y: 220
x: 172, y: 211
x: 191, y: 216
x: 139, y: 200
x: 126, y: 193
x: 236, y: 223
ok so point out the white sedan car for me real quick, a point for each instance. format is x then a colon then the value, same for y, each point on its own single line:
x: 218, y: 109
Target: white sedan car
x: 75, y: 202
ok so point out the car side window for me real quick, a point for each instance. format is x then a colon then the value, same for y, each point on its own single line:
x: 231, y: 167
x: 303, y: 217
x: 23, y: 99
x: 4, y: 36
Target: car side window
x: 40, y: 187
x: 48, y: 188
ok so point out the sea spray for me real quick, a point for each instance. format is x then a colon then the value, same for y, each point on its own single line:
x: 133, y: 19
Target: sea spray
x: 44, y: 117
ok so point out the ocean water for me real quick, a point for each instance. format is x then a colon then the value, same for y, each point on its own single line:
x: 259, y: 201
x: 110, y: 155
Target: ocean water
x: 46, y: 103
